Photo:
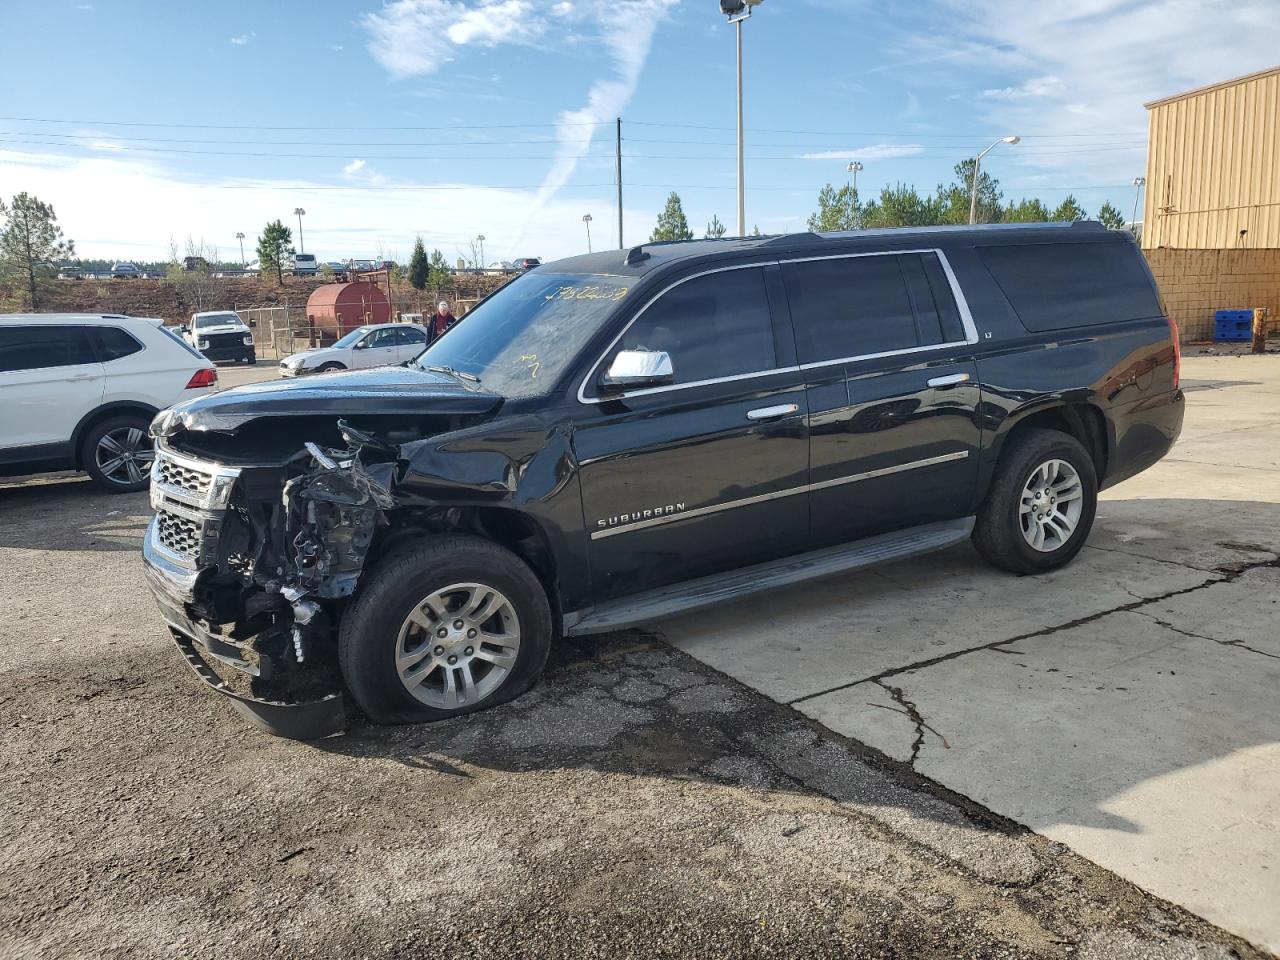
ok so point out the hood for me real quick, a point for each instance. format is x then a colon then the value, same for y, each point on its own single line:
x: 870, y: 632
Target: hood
x: 405, y: 391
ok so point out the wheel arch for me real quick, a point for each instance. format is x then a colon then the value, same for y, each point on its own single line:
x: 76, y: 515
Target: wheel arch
x: 1082, y: 420
x: 104, y: 412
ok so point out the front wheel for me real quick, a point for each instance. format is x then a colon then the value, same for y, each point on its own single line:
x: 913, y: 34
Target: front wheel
x: 1040, y: 509
x: 330, y: 368
x: 452, y: 625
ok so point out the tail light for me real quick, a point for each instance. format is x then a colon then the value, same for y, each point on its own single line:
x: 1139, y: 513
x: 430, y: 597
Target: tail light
x: 204, y: 377
x: 1177, y: 353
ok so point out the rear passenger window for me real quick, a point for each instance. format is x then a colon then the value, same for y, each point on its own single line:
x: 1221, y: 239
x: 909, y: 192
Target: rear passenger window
x: 41, y: 347
x: 718, y: 325
x: 113, y: 343
x: 1056, y: 286
x: 849, y: 307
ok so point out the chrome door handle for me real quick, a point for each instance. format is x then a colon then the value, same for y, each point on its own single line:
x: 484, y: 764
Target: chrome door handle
x: 949, y: 381
x: 772, y: 413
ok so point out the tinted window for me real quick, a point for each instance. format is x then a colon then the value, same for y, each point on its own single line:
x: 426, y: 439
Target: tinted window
x: 113, y: 343
x: 849, y: 307
x: 714, y: 326
x: 1054, y: 286
x: 382, y: 338
x: 34, y: 348
x: 412, y: 336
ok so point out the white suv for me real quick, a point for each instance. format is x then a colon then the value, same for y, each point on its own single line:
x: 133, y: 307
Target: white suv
x: 79, y: 392
x: 372, y: 346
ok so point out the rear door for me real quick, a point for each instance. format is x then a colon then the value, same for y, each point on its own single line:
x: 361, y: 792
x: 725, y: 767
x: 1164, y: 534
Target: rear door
x: 50, y: 379
x: 886, y: 343
x: 707, y: 474
x: 410, y: 341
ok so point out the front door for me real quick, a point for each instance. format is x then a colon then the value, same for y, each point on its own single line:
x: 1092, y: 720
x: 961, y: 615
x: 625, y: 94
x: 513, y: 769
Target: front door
x: 707, y: 474
x: 377, y: 349
x: 892, y: 391
x: 50, y: 378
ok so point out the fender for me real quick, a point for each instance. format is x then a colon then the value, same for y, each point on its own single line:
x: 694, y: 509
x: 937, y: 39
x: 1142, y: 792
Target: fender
x: 99, y: 413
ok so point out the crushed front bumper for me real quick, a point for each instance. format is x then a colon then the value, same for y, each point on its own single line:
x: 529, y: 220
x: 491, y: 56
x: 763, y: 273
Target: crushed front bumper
x: 173, y: 580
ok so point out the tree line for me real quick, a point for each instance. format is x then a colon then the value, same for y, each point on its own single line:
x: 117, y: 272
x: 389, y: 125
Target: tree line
x: 902, y: 205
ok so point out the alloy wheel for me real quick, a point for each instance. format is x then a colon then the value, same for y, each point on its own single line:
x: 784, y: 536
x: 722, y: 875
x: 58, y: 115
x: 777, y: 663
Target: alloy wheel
x: 458, y: 645
x: 1051, y: 504
x: 124, y: 455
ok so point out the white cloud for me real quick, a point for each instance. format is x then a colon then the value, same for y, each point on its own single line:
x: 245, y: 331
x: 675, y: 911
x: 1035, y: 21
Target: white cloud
x: 416, y: 37
x: 1036, y: 87
x: 354, y: 167
x: 336, y: 47
x: 116, y: 206
x: 241, y: 39
x: 879, y: 151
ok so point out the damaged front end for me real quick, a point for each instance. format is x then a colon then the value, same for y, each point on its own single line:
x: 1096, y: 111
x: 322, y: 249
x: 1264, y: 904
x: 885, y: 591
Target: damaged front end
x: 251, y: 564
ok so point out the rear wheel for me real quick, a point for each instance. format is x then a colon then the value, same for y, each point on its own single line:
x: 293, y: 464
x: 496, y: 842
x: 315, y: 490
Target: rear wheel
x: 449, y: 626
x: 1040, y: 509
x: 117, y: 454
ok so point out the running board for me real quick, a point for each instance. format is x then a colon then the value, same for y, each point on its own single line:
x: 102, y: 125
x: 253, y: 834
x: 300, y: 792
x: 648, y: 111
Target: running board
x: 682, y: 597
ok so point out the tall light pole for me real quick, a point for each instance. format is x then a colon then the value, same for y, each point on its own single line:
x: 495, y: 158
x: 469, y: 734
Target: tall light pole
x: 480, y: 240
x: 299, y: 213
x: 854, y: 167
x: 1138, y: 184
x: 240, y: 237
x: 977, y: 163
x: 586, y: 218
x: 738, y: 12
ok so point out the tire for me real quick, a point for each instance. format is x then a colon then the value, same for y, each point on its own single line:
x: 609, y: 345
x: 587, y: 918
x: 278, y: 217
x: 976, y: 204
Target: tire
x: 1005, y: 533
x: 124, y: 436
x: 377, y: 631
x: 329, y: 367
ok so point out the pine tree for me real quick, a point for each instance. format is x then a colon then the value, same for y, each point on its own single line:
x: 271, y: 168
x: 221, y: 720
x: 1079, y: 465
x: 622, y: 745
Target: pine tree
x: 439, y: 276
x: 755, y: 230
x: 715, y: 229
x: 1026, y: 211
x: 1110, y: 217
x: 1069, y: 210
x: 419, y: 269
x: 672, y: 223
x: 31, y: 243
x: 953, y: 199
x: 274, y: 245
x: 837, y: 210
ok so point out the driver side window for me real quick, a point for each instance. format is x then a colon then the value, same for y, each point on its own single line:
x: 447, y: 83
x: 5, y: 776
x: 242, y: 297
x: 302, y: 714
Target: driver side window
x: 381, y: 338
x: 713, y: 326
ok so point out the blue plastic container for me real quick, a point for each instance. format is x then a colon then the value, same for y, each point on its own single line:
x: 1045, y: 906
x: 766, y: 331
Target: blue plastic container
x: 1233, y: 325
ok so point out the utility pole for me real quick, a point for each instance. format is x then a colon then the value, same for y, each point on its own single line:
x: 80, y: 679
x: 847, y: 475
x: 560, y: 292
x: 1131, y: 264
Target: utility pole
x: 621, y: 245
x: 742, y: 166
x: 586, y: 218
x: 298, y: 212
x: 1138, y: 184
x: 240, y: 237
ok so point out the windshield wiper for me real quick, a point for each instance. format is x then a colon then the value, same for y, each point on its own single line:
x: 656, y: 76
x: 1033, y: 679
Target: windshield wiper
x: 440, y: 368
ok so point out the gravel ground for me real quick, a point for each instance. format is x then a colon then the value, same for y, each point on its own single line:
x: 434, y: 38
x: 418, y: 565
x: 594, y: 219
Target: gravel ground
x: 635, y: 804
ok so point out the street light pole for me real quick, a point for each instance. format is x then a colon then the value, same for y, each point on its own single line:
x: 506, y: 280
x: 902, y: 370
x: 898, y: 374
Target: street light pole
x: 738, y: 12
x: 977, y: 163
x: 298, y: 212
x: 586, y: 218
x: 854, y: 167
x: 480, y: 240
x: 240, y: 237
x: 1138, y: 184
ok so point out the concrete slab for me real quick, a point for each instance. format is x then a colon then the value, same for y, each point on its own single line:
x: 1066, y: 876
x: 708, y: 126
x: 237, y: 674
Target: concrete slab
x: 850, y: 628
x: 1145, y: 749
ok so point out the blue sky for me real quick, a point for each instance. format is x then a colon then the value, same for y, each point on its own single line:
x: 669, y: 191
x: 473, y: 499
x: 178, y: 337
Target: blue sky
x: 453, y: 118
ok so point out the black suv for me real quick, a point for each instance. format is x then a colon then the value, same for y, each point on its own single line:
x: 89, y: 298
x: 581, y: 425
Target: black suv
x: 617, y: 437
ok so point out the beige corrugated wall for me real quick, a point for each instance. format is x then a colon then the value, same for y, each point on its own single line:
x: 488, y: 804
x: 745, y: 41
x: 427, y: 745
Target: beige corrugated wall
x: 1213, y: 168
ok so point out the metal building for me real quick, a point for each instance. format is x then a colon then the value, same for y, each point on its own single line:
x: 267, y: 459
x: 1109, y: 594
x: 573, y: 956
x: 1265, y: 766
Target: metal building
x: 1213, y: 166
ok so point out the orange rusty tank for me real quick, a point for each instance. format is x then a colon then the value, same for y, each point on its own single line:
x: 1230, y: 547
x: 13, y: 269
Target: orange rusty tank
x: 338, y: 308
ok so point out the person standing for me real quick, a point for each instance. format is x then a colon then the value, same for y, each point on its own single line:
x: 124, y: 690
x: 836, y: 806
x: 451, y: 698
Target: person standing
x: 443, y: 319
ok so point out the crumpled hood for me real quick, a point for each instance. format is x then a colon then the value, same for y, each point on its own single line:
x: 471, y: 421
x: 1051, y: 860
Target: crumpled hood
x: 383, y: 390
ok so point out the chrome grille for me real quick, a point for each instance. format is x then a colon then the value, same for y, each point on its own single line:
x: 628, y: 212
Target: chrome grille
x: 174, y: 474
x: 178, y: 534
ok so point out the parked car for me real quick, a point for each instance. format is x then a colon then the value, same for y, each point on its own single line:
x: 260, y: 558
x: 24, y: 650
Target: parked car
x: 126, y: 271
x: 304, y: 265
x: 527, y: 263
x: 371, y: 346
x: 627, y: 435
x: 79, y: 392
x: 221, y: 335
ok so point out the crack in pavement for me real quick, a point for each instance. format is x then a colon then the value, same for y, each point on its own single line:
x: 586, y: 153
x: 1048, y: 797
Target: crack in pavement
x: 912, y: 713
x: 1200, y: 636
x: 1226, y: 574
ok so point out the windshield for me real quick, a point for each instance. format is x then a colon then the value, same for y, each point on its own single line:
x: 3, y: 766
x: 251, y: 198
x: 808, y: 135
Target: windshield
x: 519, y: 341
x: 350, y: 338
x: 217, y: 320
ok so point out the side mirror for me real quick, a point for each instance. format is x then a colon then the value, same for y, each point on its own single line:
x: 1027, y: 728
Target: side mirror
x: 637, y: 369
x: 363, y: 344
